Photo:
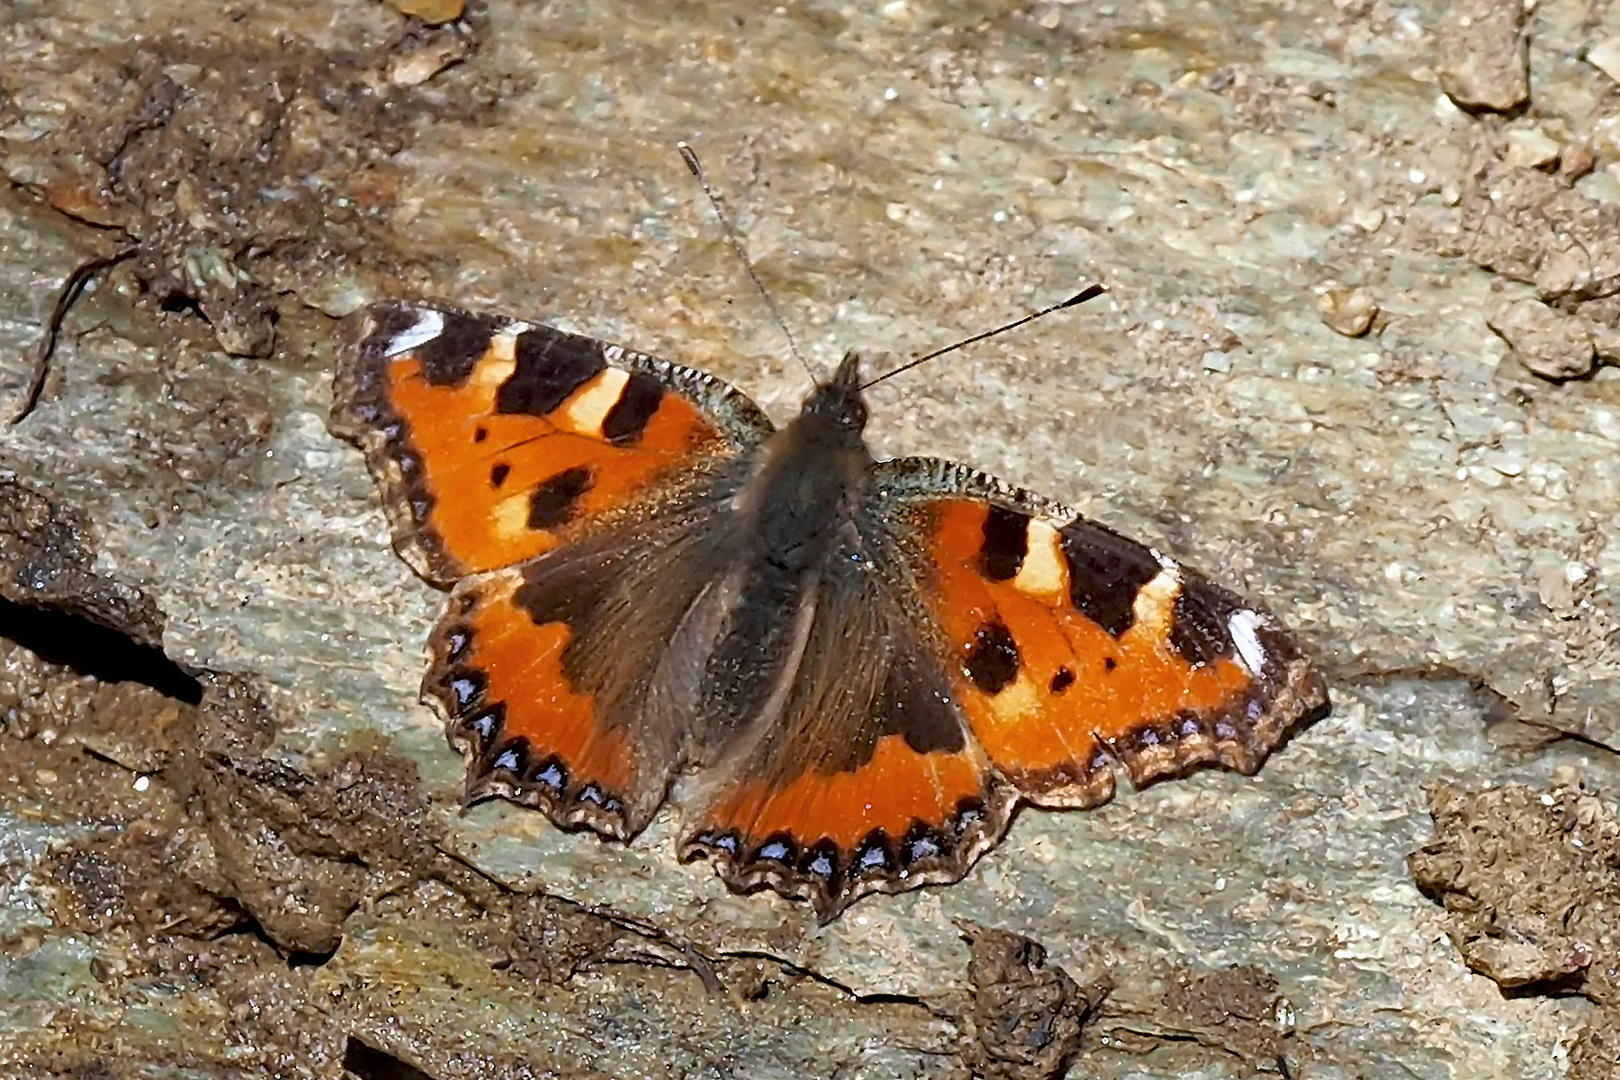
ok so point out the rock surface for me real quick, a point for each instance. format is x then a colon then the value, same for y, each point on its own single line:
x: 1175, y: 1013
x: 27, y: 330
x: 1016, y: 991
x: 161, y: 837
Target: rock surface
x: 241, y: 748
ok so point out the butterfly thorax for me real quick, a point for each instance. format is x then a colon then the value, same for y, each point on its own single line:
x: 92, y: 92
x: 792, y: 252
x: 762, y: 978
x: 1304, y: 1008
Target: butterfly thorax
x: 796, y: 533
x: 811, y: 480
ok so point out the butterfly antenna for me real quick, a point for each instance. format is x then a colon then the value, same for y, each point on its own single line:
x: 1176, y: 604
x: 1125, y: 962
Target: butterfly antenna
x: 689, y: 156
x: 1090, y: 292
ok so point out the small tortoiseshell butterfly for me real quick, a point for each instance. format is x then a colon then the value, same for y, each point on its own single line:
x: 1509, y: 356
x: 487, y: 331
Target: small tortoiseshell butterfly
x: 862, y: 667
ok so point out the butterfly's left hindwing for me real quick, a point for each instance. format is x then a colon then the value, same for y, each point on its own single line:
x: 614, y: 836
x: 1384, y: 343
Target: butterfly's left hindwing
x: 867, y: 780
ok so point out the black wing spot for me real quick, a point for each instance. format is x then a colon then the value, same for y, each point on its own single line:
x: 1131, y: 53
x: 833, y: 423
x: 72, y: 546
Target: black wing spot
x: 1006, y: 542
x: 551, y: 365
x: 916, y: 704
x: 1106, y: 571
x: 480, y: 433
x: 637, y: 403
x: 554, y: 502
x: 1109, y: 663
x: 449, y: 359
x: 993, y: 661
x: 498, y: 473
x: 1062, y: 680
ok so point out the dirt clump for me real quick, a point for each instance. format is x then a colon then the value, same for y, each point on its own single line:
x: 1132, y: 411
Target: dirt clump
x: 1527, y: 879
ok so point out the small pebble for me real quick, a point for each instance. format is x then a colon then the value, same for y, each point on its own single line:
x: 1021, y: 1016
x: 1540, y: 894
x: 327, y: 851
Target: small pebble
x: 419, y: 65
x: 1368, y: 219
x: 1566, y: 776
x: 1347, y: 311
x: 1483, y: 58
x: 1576, y: 160
x: 1548, y: 343
x: 432, y: 12
x: 1606, y: 342
x: 1528, y: 148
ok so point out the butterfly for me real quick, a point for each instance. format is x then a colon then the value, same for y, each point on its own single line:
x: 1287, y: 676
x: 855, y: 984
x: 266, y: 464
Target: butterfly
x: 851, y: 671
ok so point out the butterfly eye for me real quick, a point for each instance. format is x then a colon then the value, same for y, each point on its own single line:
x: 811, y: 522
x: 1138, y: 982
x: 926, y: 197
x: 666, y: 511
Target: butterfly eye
x: 853, y: 416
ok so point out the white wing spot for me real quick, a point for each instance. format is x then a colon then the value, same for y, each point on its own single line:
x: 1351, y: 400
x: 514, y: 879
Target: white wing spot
x: 429, y: 325
x: 1017, y: 702
x: 493, y: 370
x: 1242, y: 626
x: 500, y: 359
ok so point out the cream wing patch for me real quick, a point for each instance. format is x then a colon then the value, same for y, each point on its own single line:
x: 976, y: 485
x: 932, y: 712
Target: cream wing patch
x: 590, y: 406
x: 1154, y: 609
x: 1044, y: 571
x: 1243, y: 626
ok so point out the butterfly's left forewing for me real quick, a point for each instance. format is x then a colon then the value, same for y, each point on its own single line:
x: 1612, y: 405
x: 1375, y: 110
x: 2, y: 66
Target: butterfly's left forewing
x: 1070, y: 647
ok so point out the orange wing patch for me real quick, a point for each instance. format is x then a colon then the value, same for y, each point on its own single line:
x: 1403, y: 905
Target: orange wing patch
x: 497, y: 441
x: 896, y: 787
x: 1073, y: 647
x: 528, y: 732
x: 899, y: 820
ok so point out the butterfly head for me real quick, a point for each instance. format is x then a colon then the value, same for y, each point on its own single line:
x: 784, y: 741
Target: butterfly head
x: 837, y: 404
